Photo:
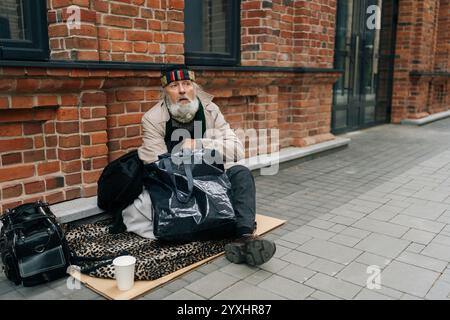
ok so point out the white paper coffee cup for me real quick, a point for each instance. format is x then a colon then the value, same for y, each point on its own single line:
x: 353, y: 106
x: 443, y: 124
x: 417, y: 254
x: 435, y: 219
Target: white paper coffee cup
x: 124, y: 272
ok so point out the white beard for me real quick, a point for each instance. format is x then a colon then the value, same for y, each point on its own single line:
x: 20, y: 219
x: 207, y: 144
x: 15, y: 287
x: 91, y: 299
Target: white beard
x: 183, y: 113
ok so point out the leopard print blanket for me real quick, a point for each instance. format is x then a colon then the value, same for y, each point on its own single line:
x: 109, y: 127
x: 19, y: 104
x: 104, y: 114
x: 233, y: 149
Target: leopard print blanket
x: 94, y: 247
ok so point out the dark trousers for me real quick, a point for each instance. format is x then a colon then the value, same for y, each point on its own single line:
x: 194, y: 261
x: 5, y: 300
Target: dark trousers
x: 243, y: 198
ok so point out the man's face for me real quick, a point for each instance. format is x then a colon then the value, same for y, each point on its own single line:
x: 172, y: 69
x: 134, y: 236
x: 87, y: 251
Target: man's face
x: 180, y: 92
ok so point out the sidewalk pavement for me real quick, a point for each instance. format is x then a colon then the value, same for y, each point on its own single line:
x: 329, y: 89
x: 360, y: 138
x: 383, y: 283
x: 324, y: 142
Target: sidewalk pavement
x: 368, y: 222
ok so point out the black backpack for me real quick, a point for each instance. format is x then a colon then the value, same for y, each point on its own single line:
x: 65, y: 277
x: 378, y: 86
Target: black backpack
x: 32, y: 245
x: 119, y: 185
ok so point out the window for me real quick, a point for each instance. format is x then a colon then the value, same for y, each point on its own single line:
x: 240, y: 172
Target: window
x: 212, y: 32
x: 23, y: 30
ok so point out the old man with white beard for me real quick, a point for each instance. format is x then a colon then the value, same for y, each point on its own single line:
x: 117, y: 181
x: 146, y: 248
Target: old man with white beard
x: 184, y: 105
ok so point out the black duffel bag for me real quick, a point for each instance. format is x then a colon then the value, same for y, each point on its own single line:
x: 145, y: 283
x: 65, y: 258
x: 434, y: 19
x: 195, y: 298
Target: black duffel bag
x: 191, y: 199
x: 119, y: 185
x: 32, y: 245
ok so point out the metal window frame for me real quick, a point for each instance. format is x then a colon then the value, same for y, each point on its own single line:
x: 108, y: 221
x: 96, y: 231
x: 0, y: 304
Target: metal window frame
x: 220, y: 59
x: 390, y: 68
x: 35, y: 17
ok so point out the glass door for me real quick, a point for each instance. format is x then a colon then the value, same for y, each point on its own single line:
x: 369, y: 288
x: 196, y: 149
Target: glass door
x: 364, y: 52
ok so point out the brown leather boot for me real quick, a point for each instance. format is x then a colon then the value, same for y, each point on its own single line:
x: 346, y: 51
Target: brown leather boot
x: 250, y: 249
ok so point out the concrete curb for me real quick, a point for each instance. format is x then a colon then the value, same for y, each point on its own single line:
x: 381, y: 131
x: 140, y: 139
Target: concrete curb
x: 426, y: 120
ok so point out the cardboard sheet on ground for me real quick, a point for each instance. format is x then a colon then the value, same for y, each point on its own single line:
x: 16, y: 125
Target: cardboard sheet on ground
x: 108, y: 289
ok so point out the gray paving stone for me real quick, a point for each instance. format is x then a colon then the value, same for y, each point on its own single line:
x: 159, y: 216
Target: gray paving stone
x: 176, y: 285
x: 355, y: 233
x: 441, y: 239
x: 325, y: 266
x: 382, y: 215
x: 429, y: 211
x: 445, y: 218
x: 314, y: 232
x: 281, y: 251
x: 38, y: 291
x: 415, y: 247
x: 319, y: 295
x: 343, y: 220
x: 431, y: 195
x: 299, y: 258
x: 327, y: 216
x: 333, y: 286
x: 208, y: 268
x: 390, y: 208
x: 446, y: 229
x: 222, y: 261
x: 296, y: 237
x: 274, y: 265
x: 383, y: 245
x: 337, y: 228
x: 296, y: 273
x: 286, y: 288
x: 419, y: 236
x: 183, y: 294
x: 410, y: 297
x: 437, y: 251
x: 418, y: 223
x: 369, y: 259
x: 445, y: 276
x: 408, y: 279
x: 367, y: 294
x: 439, y: 291
x: 355, y: 273
x: 404, y: 192
x: 82, y: 294
x: 330, y: 251
x: 361, y: 209
x: 193, y: 276
x: 245, y: 291
x: 12, y: 295
x: 239, y: 271
x: 345, y: 240
x: 388, y: 187
x: 422, y: 261
x: 157, y: 294
x: 211, y: 284
x: 348, y: 213
x: 399, y: 203
x: 287, y: 244
x: 258, y: 277
x: 321, y: 224
x: 6, y: 286
x: 381, y: 227
x: 384, y: 290
x: 365, y: 203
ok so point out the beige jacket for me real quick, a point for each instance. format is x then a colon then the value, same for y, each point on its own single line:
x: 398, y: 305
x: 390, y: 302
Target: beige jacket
x: 218, y: 135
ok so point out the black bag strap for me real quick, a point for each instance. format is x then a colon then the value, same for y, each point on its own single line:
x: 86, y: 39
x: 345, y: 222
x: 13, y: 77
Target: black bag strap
x: 190, y: 179
x: 103, y: 261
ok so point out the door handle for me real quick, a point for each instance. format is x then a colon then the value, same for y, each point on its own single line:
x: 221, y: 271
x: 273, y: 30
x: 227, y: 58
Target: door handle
x: 356, y: 65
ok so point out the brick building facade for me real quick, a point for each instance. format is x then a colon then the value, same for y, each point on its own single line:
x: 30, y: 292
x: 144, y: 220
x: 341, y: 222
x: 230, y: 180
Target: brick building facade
x: 62, y: 119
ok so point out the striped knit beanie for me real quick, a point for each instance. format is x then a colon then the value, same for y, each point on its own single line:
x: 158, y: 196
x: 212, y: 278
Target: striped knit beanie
x: 176, y: 74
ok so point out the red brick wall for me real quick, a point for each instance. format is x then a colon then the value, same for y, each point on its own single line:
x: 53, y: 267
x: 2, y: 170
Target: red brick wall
x: 267, y: 33
x: 288, y: 33
x: 422, y: 45
x: 442, y: 60
x: 122, y: 30
x: 60, y: 127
